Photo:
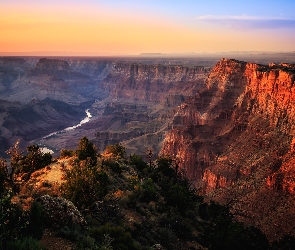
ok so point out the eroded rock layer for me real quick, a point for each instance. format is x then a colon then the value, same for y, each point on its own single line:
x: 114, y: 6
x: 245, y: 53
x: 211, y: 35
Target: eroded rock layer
x: 234, y: 140
x: 154, y: 83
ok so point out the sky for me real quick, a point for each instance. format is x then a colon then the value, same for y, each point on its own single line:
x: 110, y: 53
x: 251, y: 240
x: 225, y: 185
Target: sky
x: 129, y: 27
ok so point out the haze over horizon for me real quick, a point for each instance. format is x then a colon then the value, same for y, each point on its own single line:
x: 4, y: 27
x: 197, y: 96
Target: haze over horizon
x: 129, y: 27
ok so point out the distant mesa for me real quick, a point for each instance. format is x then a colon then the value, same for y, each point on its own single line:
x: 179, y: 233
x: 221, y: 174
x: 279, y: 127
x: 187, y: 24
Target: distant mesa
x: 151, y: 54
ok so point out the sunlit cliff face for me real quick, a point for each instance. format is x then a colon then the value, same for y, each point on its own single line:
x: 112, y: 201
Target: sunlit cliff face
x: 239, y: 98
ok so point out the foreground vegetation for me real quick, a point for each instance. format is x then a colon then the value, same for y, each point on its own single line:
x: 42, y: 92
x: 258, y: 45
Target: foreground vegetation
x: 126, y: 203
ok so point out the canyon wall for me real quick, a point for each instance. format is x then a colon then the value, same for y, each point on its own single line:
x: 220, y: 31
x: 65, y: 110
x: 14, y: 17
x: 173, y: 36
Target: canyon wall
x: 153, y: 83
x: 71, y: 80
x: 143, y: 98
x: 234, y: 140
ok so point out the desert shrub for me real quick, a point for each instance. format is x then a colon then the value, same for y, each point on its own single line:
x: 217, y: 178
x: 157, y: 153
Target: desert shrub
x: 71, y: 232
x: 60, y: 212
x: 86, y: 149
x: 178, y: 196
x: 225, y: 233
x: 67, y: 153
x: 27, y: 243
x: 164, y: 166
x: 34, y: 159
x: 3, y: 178
x: 113, y: 165
x: 85, y: 184
x: 106, y: 211
x: 36, y: 218
x: 86, y: 243
x: 117, y: 150
x: 166, y: 237
x: 12, y: 221
x: 180, y: 225
x: 138, y: 162
x: 149, y: 192
x: 122, y: 239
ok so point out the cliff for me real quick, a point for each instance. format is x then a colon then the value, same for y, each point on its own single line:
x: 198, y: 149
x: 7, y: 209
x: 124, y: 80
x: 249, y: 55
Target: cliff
x: 153, y: 83
x: 70, y: 80
x: 234, y: 140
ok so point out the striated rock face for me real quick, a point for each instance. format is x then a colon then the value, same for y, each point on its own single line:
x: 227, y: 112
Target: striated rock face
x: 143, y: 97
x: 235, y: 140
x: 70, y: 80
x: 52, y: 65
x: 153, y: 83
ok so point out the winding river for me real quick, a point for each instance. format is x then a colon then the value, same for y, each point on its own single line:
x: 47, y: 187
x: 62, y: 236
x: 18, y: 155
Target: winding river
x: 46, y: 149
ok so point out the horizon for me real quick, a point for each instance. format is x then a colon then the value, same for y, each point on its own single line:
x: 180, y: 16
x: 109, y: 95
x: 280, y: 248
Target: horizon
x: 140, y: 55
x: 129, y: 27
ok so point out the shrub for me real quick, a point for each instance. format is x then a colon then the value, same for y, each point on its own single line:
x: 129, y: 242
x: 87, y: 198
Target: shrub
x: 138, y: 162
x: 27, y: 243
x: 85, y: 184
x: 122, y: 238
x: 34, y: 159
x: 86, y: 149
x: 117, y: 150
x: 35, y: 227
x: 67, y: 153
x: 149, y: 192
x: 113, y: 165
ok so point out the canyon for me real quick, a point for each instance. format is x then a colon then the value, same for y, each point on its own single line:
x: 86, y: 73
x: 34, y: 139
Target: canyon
x: 228, y: 125
x: 234, y: 141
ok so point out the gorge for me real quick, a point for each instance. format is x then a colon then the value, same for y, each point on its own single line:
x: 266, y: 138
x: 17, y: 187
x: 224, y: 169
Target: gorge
x: 229, y: 126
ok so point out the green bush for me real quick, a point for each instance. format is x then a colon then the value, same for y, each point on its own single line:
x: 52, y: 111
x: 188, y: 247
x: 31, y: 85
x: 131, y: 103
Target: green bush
x: 225, y: 233
x: 27, y: 243
x: 67, y: 153
x: 122, y: 238
x: 34, y: 159
x: 117, y: 150
x: 149, y: 192
x: 138, y: 162
x: 86, y: 150
x: 85, y: 184
x: 36, y: 218
x: 113, y: 165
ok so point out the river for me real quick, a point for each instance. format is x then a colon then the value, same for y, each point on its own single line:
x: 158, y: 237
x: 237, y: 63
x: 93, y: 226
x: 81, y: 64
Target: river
x: 45, y: 149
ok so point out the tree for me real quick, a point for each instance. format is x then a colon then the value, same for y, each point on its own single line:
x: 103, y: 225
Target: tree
x: 86, y: 149
x: 34, y: 159
x: 15, y: 156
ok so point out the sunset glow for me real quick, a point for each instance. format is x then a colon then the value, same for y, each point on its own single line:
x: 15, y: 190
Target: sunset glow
x: 133, y: 27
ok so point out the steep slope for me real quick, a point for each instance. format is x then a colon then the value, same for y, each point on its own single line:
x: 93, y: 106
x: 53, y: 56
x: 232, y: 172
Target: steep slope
x: 234, y: 140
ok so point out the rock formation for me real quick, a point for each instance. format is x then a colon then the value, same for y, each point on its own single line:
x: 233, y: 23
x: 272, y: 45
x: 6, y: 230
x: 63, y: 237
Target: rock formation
x: 234, y: 140
x: 143, y: 98
x: 153, y: 83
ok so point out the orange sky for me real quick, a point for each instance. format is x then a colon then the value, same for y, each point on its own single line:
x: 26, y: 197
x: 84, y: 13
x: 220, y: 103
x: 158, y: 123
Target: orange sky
x: 104, y: 30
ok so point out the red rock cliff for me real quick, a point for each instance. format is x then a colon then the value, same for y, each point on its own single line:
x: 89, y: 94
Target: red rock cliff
x: 235, y: 139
